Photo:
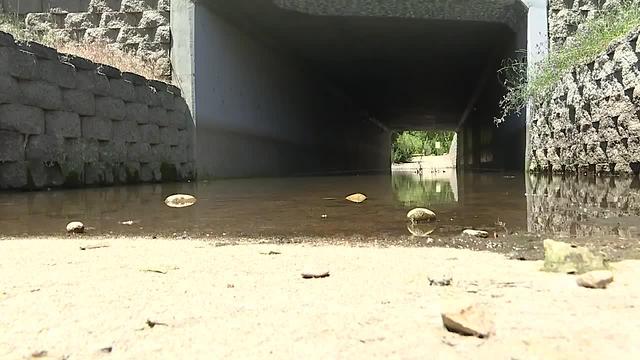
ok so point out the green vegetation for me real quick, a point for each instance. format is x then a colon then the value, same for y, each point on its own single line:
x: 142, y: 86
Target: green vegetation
x: 596, y: 36
x: 411, y: 192
x: 409, y: 143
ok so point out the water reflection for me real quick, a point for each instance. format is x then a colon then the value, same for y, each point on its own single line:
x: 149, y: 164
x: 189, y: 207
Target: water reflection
x: 584, y: 206
x: 578, y: 207
x: 421, y: 229
x: 428, y: 188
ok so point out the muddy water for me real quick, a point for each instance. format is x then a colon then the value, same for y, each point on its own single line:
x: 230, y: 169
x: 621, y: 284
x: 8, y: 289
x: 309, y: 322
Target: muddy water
x: 516, y: 211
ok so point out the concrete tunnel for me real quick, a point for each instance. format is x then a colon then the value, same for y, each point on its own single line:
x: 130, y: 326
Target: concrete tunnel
x: 294, y: 87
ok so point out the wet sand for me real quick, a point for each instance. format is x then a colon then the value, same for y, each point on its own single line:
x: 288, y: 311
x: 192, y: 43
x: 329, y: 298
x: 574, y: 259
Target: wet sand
x: 243, y: 302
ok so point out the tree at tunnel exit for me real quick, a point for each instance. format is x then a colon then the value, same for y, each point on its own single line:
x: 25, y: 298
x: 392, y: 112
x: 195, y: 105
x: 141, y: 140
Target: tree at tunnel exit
x: 415, y: 143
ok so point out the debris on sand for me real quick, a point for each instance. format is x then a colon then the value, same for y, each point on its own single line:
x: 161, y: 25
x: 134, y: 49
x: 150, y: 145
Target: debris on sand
x: 271, y: 253
x: 443, y: 281
x: 93, y: 247
x: 39, y: 354
x: 598, y: 279
x: 153, y: 324
x: 311, y: 273
x: 566, y: 258
x: 471, y: 320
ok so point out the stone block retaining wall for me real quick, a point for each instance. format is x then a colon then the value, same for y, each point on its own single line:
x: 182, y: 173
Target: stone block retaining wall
x: 566, y: 17
x: 140, y: 27
x: 592, y: 121
x: 65, y: 121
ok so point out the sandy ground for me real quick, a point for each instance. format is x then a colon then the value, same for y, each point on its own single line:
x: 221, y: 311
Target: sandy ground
x: 242, y: 302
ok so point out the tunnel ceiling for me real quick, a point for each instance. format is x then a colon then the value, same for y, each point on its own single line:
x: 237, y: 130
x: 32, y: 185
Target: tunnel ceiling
x: 415, y: 71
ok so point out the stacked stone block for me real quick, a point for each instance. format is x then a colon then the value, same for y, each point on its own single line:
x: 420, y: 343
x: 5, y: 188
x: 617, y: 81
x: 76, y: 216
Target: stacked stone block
x: 67, y: 121
x: 592, y: 121
x: 567, y: 17
x: 140, y: 27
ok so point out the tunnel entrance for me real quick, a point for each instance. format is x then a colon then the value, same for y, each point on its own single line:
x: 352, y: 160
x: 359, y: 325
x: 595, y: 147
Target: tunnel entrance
x: 423, y: 151
x: 288, y: 87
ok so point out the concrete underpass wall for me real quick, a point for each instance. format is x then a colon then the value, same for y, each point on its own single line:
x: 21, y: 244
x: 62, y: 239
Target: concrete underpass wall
x: 483, y: 145
x: 259, y: 112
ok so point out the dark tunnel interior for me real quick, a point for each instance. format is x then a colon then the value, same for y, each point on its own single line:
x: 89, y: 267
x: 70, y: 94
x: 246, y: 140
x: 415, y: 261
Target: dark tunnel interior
x: 403, y: 73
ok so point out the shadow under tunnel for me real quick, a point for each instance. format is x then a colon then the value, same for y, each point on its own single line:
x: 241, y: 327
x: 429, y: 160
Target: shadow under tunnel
x: 283, y: 89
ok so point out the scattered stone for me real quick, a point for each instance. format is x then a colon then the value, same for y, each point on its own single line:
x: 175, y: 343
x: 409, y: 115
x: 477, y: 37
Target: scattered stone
x: 421, y: 214
x: 356, y: 198
x: 314, y: 274
x: 107, y: 349
x: 180, y: 200
x: 471, y: 320
x: 475, y: 233
x: 566, y: 258
x: 75, y: 227
x: 598, y: 279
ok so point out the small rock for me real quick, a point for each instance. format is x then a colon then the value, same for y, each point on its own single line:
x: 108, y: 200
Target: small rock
x: 357, y: 198
x: 471, y: 320
x: 598, y: 279
x: 475, y: 233
x: 421, y: 214
x: 75, y: 227
x: 314, y: 273
x: 180, y: 200
x: 565, y: 258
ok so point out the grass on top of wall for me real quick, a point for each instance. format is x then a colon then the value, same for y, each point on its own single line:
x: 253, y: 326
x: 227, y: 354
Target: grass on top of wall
x: 99, y: 52
x: 597, y: 35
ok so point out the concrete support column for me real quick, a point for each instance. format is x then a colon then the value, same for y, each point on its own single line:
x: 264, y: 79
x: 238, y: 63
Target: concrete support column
x: 537, y: 49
